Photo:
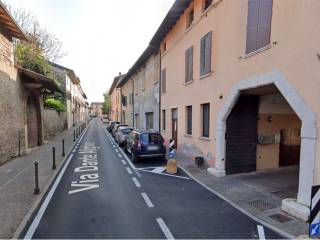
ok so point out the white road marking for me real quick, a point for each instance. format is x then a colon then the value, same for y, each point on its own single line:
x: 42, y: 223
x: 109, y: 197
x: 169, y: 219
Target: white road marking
x: 164, y: 228
x: 261, y: 232
x: 129, y: 170
x: 165, y: 174
x: 158, y: 170
x: 119, y: 155
x: 128, y: 161
x: 124, y: 162
x: 147, y: 200
x: 117, y: 150
x: 136, y: 182
x: 45, y: 204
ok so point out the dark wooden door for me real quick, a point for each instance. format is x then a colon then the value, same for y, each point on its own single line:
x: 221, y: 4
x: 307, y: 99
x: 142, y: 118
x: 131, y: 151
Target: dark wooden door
x: 241, y: 136
x: 32, y: 123
x: 289, y: 147
x: 175, y: 127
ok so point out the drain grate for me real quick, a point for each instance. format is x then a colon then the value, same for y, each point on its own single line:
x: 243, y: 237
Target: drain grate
x: 261, y: 205
x: 280, y: 218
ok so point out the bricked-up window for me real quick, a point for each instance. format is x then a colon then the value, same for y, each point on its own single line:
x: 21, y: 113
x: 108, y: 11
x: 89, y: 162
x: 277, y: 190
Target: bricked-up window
x: 205, y: 54
x: 131, y: 98
x: 189, y: 64
x: 189, y: 120
x: 149, y: 121
x: 164, y: 81
x: 164, y: 120
x: 258, y: 24
x: 205, y: 109
x: 206, y: 4
x: 124, y: 101
x: 190, y: 17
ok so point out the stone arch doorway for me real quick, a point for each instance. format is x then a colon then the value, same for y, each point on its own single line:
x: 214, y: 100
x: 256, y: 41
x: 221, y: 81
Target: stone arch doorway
x: 33, y: 121
x: 299, y: 207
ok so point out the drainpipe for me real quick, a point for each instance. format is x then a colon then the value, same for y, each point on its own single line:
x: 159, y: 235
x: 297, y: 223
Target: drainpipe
x: 132, y: 102
x: 160, y: 65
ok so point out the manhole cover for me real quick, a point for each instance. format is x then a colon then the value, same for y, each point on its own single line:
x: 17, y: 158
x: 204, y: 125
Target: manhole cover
x: 280, y: 218
x: 261, y: 205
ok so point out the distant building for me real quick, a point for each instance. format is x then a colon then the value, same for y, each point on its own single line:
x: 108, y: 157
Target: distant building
x: 96, y: 109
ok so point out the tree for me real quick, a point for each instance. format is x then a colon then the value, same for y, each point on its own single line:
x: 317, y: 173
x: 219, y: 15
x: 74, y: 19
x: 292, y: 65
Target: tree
x: 106, y: 104
x: 38, y: 35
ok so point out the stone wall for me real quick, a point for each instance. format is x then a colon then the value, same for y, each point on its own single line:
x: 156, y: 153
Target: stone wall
x: 12, y: 117
x: 53, y: 123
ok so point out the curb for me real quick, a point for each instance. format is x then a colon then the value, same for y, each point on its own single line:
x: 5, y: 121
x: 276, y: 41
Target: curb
x: 36, y: 205
x: 250, y: 215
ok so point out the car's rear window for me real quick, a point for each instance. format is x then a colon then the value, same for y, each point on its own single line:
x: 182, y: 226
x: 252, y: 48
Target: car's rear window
x: 151, y: 138
x: 126, y: 131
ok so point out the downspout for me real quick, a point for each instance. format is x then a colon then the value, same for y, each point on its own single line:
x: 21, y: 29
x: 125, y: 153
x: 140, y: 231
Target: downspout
x: 121, y: 106
x: 133, y: 102
x: 160, y: 66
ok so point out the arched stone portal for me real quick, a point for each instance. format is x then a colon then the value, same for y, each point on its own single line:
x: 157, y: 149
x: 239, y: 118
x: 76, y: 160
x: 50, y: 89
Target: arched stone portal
x: 299, y: 207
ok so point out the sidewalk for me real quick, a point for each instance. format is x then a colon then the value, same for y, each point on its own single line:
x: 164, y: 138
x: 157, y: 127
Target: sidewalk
x: 17, y: 181
x: 252, y: 193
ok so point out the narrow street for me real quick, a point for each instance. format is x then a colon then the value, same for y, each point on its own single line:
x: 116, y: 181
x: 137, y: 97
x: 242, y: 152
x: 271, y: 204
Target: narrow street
x: 102, y: 195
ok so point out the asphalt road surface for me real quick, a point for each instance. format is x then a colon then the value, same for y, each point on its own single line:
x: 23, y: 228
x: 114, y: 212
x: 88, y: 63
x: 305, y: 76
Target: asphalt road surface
x: 101, y: 194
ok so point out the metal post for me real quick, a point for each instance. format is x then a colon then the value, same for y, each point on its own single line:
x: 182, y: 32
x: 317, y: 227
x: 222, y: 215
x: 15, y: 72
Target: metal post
x: 36, y: 178
x: 54, y: 158
x: 63, y: 152
x: 74, y: 135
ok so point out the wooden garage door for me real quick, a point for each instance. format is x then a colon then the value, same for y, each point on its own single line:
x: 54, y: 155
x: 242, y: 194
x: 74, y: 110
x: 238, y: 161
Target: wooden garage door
x: 241, y: 136
x: 32, y: 123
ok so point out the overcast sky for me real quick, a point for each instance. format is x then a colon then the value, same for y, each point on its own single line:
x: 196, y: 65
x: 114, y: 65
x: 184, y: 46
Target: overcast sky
x: 101, y: 37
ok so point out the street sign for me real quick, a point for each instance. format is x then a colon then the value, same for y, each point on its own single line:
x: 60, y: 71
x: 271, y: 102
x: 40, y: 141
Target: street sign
x: 314, y: 228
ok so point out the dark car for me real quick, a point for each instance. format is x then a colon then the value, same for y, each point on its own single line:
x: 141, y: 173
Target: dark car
x: 111, y: 125
x: 122, y: 135
x: 145, y: 144
x: 115, y: 128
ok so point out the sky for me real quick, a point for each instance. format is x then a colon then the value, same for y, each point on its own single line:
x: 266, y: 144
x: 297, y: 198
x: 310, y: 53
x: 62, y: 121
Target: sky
x: 101, y: 37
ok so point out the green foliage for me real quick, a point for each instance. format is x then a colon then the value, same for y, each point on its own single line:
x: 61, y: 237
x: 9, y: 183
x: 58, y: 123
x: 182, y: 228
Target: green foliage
x: 55, y: 104
x: 30, y: 57
x: 106, y: 104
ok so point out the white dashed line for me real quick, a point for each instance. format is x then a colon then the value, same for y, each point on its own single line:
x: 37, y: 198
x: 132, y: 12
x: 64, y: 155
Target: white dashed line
x: 261, y: 232
x: 136, y: 182
x: 124, y: 162
x: 119, y: 155
x: 117, y: 150
x: 147, y: 200
x: 164, y: 228
x: 129, y: 170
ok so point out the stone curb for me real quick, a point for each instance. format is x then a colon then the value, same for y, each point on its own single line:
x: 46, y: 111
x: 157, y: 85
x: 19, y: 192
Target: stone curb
x: 37, y: 204
x: 278, y: 230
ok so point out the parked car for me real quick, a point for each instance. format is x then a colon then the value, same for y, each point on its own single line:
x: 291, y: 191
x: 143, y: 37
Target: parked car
x: 122, y: 135
x: 105, y: 120
x: 145, y: 144
x: 115, y: 128
x: 111, y: 125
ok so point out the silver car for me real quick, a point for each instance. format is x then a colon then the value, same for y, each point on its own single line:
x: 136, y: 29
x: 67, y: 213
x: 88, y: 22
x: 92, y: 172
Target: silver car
x: 122, y: 134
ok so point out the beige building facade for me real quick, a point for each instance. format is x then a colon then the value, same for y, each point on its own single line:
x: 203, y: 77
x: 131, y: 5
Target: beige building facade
x: 126, y: 101
x: 115, y: 96
x: 239, y: 87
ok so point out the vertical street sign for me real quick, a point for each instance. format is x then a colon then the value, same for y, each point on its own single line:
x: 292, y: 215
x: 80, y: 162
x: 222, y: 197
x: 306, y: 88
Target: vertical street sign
x: 314, y: 228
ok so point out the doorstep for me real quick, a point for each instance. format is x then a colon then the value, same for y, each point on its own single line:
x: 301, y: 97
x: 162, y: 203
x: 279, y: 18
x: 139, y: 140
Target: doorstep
x: 262, y: 206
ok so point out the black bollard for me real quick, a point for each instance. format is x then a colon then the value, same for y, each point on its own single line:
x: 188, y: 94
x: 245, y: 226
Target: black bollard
x: 74, y: 135
x: 63, y: 152
x: 36, y: 179
x: 54, y: 158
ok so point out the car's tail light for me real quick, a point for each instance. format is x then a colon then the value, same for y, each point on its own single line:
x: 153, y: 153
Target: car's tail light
x: 139, y: 145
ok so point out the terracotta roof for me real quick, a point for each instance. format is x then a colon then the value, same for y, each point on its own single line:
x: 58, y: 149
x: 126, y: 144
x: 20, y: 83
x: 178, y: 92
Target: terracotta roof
x: 9, y: 25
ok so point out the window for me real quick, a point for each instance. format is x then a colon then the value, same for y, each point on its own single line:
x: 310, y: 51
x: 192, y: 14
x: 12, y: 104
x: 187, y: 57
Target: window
x: 149, y: 121
x: 124, y: 101
x: 205, y: 54
x: 131, y: 98
x: 164, y: 80
x: 205, y: 119
x: 164, y: 46
x: 206, y: 4
x: 190, y: 18
x: 189, y: 120
x: 258, y: 24
x: 164, y: 120
x: 189, y: 65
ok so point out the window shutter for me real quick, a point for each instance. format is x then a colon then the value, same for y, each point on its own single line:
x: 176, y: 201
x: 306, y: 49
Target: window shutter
x: 208, y: 51
x: 252, y: 25
x: 264, y: 26
x: 202, y: 56
x: 186, y: 66
x: 190, y: 64
x: 164, y: 80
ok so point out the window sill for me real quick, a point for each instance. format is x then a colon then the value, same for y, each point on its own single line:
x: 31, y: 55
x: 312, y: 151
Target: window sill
x: 255, y: 52
x: 188, y: 135
x: 205, y: 139
x: 190, y: 27
x: 206, y: 75
x: 188, y: 83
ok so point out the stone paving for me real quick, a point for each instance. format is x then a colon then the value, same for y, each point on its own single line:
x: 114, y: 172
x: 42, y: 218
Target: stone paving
x: 17, y: 181
x: 258, y: 193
